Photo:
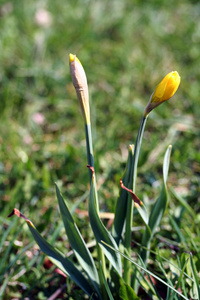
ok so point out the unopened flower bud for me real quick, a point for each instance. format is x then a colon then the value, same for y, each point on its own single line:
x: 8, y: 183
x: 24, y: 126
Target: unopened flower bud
x: 164, y: 91
x: 80, y: 83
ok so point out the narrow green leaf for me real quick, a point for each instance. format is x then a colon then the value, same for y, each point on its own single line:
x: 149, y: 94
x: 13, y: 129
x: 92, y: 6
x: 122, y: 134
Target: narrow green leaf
x: 101, y: 233
x: 77, y: 203
x: 63, y: 263
x: 167, y: 278
x: 160, y: 205
x: 105, y: 283
x: 183, y: 280
x: 148, y: 280
x: 121, y: 207
x: 176, y: 227
x: 4, y: 283
x: 144, y: 215
x: 6, y: 232
x: 157, y: 210
x: 179, y: 280
x: 147, y: 271
x: 168, y: 261
x: 196, y: 285
x: 6, y: 253
x: 183, y: 203
x: 127, y: 293
x: 77, y: 243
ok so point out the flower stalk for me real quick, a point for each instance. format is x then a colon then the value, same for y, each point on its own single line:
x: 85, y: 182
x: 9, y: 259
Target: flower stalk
x: 79, y: 80
x: 163, y: 92
x: 130, y: 206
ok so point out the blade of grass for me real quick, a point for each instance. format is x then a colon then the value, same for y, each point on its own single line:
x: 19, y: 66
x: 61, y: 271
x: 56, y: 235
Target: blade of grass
x: 3, y: 286
x: 183, y: 203
x: 177, y: 229
x: 183, y: 281
x: 8, y: 249
x: 196, y: 286
x: 169, y: 262
x: 147, y: 271
x: 17, y: 257
x: 166, y: 278
x: 127, y: 293
x: 179, y: 279
x: 150, y: 282
x: 6, y: 233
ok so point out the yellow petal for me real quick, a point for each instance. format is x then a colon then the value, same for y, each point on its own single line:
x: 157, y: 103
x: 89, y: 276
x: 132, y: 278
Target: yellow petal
x: 164, y: 91
x: 73, y: 57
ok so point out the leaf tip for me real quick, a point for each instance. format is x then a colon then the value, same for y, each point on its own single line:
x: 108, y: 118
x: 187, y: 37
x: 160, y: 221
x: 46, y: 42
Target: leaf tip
x: 14, y: 212
x: 136, y: 200
x: 17, y: 213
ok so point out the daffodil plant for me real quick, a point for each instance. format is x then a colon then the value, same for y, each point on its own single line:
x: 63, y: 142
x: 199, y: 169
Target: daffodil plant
x: 112, y: 274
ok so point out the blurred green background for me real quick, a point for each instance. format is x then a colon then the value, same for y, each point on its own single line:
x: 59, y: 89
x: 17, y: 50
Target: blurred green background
x: 126, y: 48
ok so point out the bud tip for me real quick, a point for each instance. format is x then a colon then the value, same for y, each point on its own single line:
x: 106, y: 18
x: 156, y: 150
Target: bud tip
x: 71, y: 58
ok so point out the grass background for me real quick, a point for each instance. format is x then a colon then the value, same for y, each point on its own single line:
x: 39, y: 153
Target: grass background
x: 126, y: 48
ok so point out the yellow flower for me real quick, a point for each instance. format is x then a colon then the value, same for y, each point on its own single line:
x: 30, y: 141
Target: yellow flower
x: 164, y: 91
x: 80, y: 83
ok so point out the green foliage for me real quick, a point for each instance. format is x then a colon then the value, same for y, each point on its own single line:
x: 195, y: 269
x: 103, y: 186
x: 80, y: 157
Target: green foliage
x: 63, y: 263
x: 77, y: 243
x: 126, y: 293
x: 121, y: 206
x: 157, y: 211
x: 126, y: 48
x: 102, y: 235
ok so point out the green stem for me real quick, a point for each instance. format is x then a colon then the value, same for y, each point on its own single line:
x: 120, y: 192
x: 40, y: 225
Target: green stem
x: 137, y: 151
x: 127, y: 242
x: 130, y: 206
x: 90, y: 159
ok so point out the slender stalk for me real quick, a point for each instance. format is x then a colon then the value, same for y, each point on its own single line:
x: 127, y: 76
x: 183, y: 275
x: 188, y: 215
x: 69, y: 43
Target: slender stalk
x: 130, y: 206
x: 127, y: 242
x: 90, y: 159
x: 137, y: 151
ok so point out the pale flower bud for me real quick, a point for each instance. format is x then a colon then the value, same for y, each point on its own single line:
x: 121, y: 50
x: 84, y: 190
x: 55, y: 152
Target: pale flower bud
x: 80, y: 83
x: 164, y: 91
